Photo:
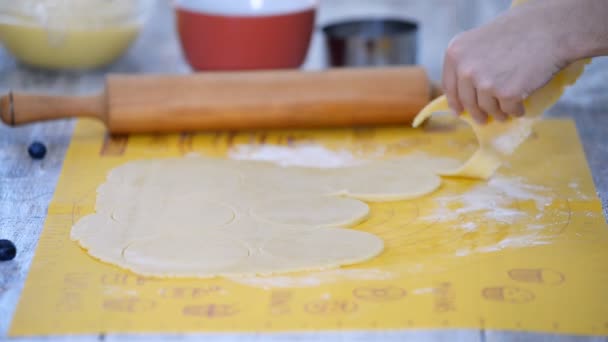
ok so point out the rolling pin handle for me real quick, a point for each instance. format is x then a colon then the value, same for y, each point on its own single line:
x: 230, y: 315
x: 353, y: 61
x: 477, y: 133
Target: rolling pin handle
x: 436, y: 90
x: 18, y: 109
x: 6, y: 109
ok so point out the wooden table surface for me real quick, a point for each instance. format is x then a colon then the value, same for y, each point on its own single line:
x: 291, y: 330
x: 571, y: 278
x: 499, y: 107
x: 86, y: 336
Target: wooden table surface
x: 27, y: 186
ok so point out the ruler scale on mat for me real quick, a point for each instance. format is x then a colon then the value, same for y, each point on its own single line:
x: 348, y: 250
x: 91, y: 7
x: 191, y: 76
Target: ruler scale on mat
x: 527, y: 250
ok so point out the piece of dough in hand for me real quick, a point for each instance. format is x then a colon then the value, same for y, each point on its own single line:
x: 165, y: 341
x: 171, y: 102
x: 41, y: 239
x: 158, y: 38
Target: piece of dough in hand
x: 500, y: 139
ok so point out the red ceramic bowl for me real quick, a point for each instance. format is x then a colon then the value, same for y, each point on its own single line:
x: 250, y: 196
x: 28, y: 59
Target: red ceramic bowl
x: 245, y: 34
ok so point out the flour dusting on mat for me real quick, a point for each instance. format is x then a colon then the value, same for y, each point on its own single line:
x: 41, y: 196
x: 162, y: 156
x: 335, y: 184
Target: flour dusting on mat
x: 574, y: 185
x: 492, y: 201
x: 526, y: 240
x: 312, y: 279
x: 498, y: 201
x: 309, y: 155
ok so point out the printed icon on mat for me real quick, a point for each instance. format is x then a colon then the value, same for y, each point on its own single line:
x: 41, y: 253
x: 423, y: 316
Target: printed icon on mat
x: 280, y: 302
x: 114, y: 145
x: 537, y: 275
x: 129, y: 305
x: 379, y: 294
x: 508, y: 294
x: 185, y: 143
x: 210, y: 310
x: 322, y: 307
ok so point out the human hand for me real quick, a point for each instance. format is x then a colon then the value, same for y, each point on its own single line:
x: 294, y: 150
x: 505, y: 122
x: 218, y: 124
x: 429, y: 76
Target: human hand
x: 492, y: 69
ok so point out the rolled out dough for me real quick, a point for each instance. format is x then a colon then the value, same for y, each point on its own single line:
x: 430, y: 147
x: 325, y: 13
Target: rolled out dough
x: 318, y: 211
x: 339, y: 246
x: 184, y: 255
x: 385, y: 182
x: 201, y: 217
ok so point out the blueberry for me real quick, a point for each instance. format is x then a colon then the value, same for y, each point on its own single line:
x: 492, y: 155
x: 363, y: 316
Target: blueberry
x: 37, y: 150
x: 7, y: 250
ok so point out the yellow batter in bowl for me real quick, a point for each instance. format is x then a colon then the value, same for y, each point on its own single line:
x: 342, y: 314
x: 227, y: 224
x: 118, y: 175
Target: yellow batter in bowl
x: 69, y: 34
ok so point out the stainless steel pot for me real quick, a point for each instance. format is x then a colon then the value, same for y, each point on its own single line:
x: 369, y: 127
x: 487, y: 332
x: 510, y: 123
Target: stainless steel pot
x: 372, y: 42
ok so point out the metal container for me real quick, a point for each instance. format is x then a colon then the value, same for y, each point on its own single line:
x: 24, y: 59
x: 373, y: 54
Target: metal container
x: 372, y: 42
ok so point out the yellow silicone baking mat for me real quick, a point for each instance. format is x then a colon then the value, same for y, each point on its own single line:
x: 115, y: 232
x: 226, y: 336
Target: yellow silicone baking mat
x: 527, y: 250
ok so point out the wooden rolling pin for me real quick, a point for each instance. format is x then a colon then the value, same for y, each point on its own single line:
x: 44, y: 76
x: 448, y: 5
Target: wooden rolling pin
x: 240, y: 100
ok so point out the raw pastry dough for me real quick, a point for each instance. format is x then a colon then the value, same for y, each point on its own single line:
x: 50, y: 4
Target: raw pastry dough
x: 266, y: 177
x: 323, y: 248
x: 167, y: 214
x: 200, y: 217
x: 185, y: 255
x: 217, y: 254
x: 497, y: 139
x: 102, y: 237
x: 318, y: 211
x: 384, y: 182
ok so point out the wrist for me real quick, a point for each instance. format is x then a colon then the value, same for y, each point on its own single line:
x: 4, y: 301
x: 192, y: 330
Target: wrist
x: 582, y: 30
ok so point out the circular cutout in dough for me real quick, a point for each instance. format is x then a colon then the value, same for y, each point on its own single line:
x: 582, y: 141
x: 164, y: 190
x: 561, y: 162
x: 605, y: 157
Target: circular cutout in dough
x: 156, y: 214
x: 184, y: 256
x: 103, y: 237
x: 204, y: 175
x: 316, y: 211
x: 323, y: 248
x: 266, y: 177
x: 382, y: 183
x: 214, y: 177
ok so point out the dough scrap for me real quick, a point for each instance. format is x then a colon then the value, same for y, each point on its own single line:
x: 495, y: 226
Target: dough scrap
x: 203, y: 217
x: 497, y: 139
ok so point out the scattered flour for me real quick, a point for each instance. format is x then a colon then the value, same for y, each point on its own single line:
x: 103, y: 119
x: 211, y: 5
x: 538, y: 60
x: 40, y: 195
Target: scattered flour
x: 574, y: 185
x: 299, y: 155
x: 424, y: 290
x: 112, y: 290
x: 468, y: 226
x: 519, y: 241
x: 527, y: 240
x: 495, y: 201
x: 491, y: 201
x: 313, y: 279
x: 462, y: 252
x: 308, y: 155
